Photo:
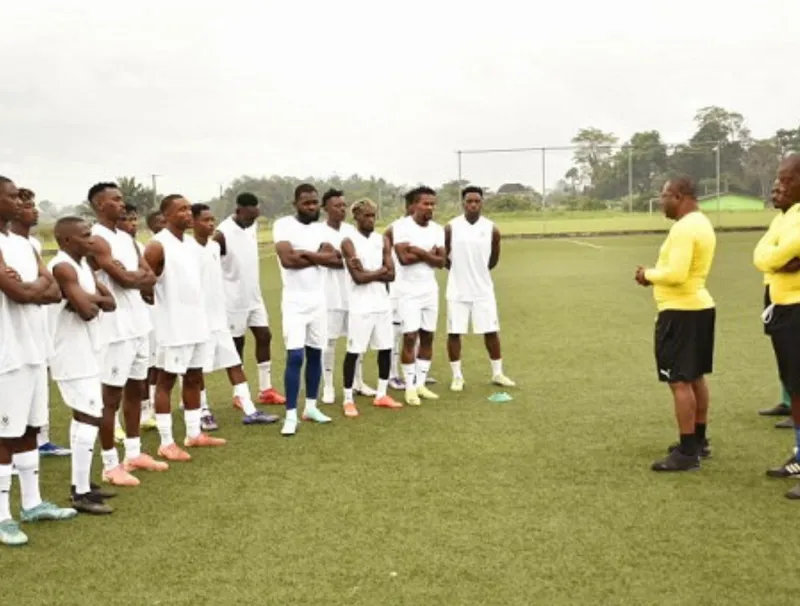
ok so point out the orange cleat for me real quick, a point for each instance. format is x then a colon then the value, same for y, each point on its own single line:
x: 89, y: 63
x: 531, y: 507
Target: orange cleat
x: 386, y: 402
x: 119, y: 477
x: 203, y: 440
x: 144, y: 462
x: 270, y: 396
x: 173, y: 452
x: 350, y: 409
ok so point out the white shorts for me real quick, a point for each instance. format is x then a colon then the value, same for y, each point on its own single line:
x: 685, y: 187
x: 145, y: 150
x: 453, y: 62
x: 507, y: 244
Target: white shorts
x: 419, y: 313
x: 221, y: 352
x: 336, y: 323
x: 178, y: 359
x: 483, y: 314
x: 125, y: 361
x: 83, y: 395
x: 305, y: 328
x: 370, y: 330
x: 240, y: 321
x: 396, y: 319
x: 24, y: 397
x: 152, y: 341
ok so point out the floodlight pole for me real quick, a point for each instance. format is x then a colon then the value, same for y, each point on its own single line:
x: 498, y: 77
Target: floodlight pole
x: 544, y: 177
x: 458, y: 154
x: 630, y: 179
x: 718, y: 181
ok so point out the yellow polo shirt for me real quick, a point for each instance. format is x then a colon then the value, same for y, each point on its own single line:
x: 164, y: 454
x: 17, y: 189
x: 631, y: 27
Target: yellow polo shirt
x: 775, y: 249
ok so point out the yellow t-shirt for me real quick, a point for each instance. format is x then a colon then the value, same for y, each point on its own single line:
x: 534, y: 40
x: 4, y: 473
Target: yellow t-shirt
x: 684, y: 260
x: 775, y: 249
x: 772, y: 236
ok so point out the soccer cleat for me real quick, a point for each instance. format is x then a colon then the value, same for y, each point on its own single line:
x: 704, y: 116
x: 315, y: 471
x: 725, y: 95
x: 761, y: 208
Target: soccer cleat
x: 11, y: 534
x: 457, y: 384
x: 203, y: 441
x: 677, y: 461
x: 259, y: 418
x: 173, y: 452
x: 48, y: 449
x: 503, y: 381
x: 208, y: 422
x: 102, y: 492
x: 119, y: 477
x: 429, y: 380
x: 397, y: 384
x: 362, y: 389
x: 289, y: 427
x: 386, y: 402
x: 412, y: 397
x: 794, y: 493
x: 426, y: 394
x: 350, y: 409
x: 328, y: 395
x: 316, y: 415
x: 90, y: 503
x: 779, y: 410
x: 790, y: 469
x: 47, y: 512
x: 119, y: 435
x: 704, y: 451
x: 144, y: 462
x: 786, y: 423
x: 271, y: 396
x: 148, y: 423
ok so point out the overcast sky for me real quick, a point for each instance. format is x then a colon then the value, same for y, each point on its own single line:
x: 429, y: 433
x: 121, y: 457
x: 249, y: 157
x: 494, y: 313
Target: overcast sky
x: 202, y: 92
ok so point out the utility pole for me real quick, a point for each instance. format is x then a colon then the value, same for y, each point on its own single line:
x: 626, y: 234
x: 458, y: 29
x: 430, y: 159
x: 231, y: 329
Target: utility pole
x: 153, y: 178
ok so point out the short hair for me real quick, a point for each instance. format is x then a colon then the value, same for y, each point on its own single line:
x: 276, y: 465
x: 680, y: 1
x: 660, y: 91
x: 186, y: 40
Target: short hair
x: 5, y: 179
x: 198, y: 208
x: 471, y: 189
x: 303, y: 188
x: 415, y: 194
x: 130, y: 208
x: 65, y: 223
x: 99, y: 188
x: 151, y: 218
x: 363, y: 203
x: 409, y: 198
x: 167, y: 201
x: 331, y: 193
x: 684, y: 186
x: 246, y: 199
x: 26, y: 195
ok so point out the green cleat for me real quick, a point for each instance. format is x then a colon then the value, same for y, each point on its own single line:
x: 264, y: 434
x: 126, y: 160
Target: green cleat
x: 45, y: 511
x: 11, y: 535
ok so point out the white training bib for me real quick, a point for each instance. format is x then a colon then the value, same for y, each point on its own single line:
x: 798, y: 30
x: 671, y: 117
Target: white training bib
x: 470, y: 250
x: 336, y: 290
x: 240, y: 268
x: 372, y: 297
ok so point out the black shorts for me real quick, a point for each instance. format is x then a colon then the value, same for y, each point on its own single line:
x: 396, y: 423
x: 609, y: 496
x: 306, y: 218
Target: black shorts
x: 784, y: 329
x: 684, y: 343
x: 767, y: 303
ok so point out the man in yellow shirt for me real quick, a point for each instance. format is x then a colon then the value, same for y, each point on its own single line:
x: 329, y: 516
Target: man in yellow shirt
x: 778, y: 253
x: 684, y: 332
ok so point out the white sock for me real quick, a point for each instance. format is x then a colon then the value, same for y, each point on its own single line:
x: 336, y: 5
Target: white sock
x: 133, y: 448
x: 242, y: 391
x: 164, y: 425
x: 204, y: 401
x: 423, y: 366
x: 359, y: 376
x: 145, y: 411
x: 456, y: 368
x: 110, y: 459
x: 43, y: 437
x: 291, y: 415
x: 73, y: 427
x: 497, y: 367
x: 394, y: 371
x: 82, y: 448
x: 192, y: 420
x: 328, y: 362
x: 383, y: 385
x: 348, y: 395
x: 408, y: 374
x: 5, y: 492
x: 117, y: 422
x: 27, y: 464
x: 264, y: 378
x: 311, y: 403
x: 151, y: 392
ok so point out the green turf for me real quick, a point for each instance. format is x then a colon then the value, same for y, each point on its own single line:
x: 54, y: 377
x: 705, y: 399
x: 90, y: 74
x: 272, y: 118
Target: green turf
x: 544, y: 500
x: 731, y: 202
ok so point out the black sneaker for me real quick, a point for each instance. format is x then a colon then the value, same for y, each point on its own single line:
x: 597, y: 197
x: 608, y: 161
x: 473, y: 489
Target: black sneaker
x: 790, y: 469
x: 103, y: 493
x: 779, y: 410
x: 785, y: 424
x: 677, y: 461
x: 704, y: 451
x: 90, y: 503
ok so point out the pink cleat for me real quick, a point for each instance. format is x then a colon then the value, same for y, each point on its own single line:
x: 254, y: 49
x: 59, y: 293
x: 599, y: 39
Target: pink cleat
x: 271, y: 396
x: 173, y: 452
x: 144, y: 462
x: 387, y: 402
x: 119, y: 477
x: 203, y: 440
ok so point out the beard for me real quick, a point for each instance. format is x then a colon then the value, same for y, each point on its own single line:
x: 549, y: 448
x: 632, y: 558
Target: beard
x: 308, y: 219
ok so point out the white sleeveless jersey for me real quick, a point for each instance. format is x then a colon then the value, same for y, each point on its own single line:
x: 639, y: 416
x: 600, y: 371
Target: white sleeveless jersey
x: 213, y: 284
x: 179, y: 311
x: 397, y: 267
x: 303, y: 289
x: 336, y: 290
x: 37, y: 245
x: 372, y: 297
x: 240, y: 267
x: 75, y: 341
x: 470, y: 249
x: 149, y: 308
x: 28, y: 341
x: 418, y: 279
x: 131, y: 319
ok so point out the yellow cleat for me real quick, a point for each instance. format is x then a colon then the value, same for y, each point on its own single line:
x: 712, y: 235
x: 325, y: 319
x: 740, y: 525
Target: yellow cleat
x: 426, y: 394
x: 503, y: 381
x: 412, y: 397
x: 457, y: 384
x: 119, y: 435
x: 148, y: 423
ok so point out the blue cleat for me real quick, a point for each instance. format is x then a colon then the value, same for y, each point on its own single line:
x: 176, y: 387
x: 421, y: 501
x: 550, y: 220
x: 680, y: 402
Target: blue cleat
x: 46, y: 511
x: 48, y: 449
x: 259, y: 418
x: 11, y: 535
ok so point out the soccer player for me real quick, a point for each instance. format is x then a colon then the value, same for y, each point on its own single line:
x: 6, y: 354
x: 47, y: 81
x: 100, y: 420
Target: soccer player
x: 472, y: 243
x: 368, y: 258
x: 74, y: 365
x: 182, y: 328
x: 419, y: 245
x: 124, y: 337
x: 684, y: 332
x: 238, y: 242
x: 301, y: 256
x: 155, y: 223
x: 777, y: 254
x: 25, y: 221
x: 24, y: 285
x: 336, y: 295
x: 221, y: 352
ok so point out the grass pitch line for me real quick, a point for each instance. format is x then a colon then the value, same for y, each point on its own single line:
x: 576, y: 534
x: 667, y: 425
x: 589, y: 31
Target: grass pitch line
x: 582, y: 243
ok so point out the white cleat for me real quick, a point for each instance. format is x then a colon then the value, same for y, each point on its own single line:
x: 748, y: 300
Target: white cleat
x: 503, y: 381
x: 457, y: 384
x: 362, y: 389
x: 328, y: 395
x: 289, y: 427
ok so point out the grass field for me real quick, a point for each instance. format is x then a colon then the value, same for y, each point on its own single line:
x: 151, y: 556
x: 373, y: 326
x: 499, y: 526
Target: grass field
x: 545, y: 500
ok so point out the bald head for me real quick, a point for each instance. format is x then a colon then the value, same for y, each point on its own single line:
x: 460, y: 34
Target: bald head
x: 74, y: 236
